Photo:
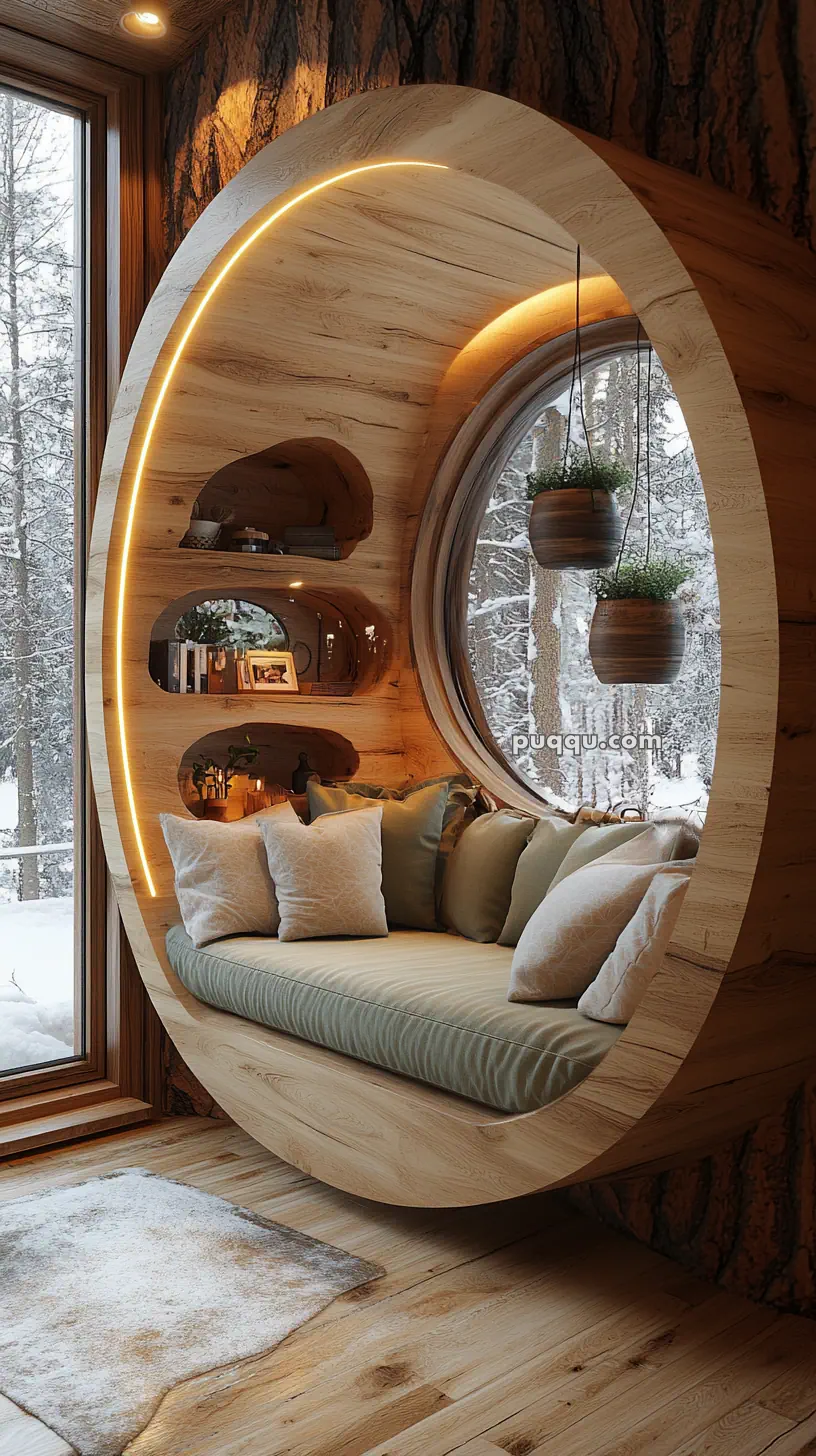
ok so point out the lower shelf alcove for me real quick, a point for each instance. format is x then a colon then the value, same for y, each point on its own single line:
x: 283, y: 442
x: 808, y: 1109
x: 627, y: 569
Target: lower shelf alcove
x: 279, y: 746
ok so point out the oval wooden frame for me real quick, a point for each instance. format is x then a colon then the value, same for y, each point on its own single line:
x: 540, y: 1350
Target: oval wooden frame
x: 728, y: 301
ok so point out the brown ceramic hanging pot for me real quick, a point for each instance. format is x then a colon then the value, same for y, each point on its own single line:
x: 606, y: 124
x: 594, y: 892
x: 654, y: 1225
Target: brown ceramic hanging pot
x: 637, y: 640
x: 574, y: 522
x: 575, y: 529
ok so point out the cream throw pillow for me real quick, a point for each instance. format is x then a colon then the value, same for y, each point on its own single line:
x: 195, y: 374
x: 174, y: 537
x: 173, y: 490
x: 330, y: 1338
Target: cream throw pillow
x: 574, y: 929
x: 222, y: 876
x: 328, y: 876
x: 625, y: 974
x: 660, y: 843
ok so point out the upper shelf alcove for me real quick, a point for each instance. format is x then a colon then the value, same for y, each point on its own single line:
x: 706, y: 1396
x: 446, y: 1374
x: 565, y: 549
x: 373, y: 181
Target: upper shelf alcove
x: 308, y: 497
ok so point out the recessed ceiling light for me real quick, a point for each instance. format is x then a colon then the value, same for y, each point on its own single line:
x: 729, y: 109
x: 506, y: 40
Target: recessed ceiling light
x: 144, y: 23
x: 295, y: 583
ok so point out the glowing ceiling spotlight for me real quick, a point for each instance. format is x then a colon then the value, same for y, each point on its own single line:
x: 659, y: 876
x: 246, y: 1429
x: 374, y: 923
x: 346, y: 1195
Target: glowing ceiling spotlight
x: 146, y: 24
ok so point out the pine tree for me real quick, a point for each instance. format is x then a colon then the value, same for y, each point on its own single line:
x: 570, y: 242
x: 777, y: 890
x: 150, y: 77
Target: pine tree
x: 37, y: 487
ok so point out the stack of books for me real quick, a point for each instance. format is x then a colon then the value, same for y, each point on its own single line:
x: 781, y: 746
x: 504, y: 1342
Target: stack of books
x: 193, y: 667
x: 311, y: 541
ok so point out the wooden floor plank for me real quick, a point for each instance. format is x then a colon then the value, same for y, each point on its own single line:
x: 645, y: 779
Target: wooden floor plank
x: 801, y: 1441
x: 502, y: 1331
x: 746, y: 1431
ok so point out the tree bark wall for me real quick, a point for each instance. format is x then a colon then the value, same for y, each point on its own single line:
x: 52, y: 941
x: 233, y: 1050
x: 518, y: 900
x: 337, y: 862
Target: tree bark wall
x: 720, y: 88
x: 723, y: 89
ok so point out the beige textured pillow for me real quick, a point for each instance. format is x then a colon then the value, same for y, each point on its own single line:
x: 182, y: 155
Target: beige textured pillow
x: 479, y: 877
x: 625, y: 974
x: 222, y: 875
x: 659, y: 843
x: 328, y: 875
x: 574, y: 929
x: 597, y: 840
x: 542, y: 856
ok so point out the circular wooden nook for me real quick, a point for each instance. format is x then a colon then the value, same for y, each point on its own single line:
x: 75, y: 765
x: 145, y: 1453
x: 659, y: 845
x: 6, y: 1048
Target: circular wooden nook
x: 365, y: 280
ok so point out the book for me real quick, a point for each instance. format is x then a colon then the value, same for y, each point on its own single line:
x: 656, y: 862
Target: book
x: 163, y: 662
x: 221, y: 670
x: 325, y: 553
x: 296, y: 536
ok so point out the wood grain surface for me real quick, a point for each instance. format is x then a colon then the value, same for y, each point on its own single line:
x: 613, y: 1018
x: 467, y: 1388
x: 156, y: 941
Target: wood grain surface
x: 510, y: 1332
x: 385, y: 290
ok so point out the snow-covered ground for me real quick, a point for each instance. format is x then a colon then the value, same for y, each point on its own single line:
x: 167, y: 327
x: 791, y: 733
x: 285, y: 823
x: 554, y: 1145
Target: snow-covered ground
x: 36, y: 970
x: 37, y: 1005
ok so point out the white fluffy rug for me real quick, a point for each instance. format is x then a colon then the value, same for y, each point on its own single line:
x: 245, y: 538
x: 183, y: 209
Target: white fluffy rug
x: 113, y: 1291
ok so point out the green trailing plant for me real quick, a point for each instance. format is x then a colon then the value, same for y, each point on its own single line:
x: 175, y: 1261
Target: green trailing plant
x: 204, y: 624
x: 657, y: 580
x: 580, y: 472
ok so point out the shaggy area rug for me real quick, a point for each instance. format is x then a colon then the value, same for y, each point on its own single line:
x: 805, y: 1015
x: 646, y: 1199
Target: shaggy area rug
x: 113, y: 1291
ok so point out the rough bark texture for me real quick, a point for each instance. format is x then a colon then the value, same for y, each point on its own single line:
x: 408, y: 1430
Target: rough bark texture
x: 745, y: 1217
x: 723, y: 89
x: 720, y: 88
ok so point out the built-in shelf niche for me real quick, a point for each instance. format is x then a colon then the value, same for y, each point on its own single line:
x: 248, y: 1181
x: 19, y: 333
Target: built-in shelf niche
x: 308, y: 483
x: 280, y: 746
x: 339, y: 643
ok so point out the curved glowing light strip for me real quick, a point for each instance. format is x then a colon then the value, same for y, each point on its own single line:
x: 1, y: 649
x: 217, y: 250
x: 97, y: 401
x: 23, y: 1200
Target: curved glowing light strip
x: 165, y: 385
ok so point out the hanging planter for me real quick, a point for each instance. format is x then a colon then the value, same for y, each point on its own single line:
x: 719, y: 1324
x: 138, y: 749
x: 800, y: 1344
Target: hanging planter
x: 574, y: 523
x: 637, y: 633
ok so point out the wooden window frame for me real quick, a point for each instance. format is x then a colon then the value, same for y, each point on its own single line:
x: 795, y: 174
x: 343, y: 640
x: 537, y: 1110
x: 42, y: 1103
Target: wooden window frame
x: 117, y: 1081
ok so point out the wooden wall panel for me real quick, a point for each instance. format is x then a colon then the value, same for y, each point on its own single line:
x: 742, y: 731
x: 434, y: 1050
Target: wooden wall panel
x: 717, y: 88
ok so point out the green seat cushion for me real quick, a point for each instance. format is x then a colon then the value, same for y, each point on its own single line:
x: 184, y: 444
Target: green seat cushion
x: 479, y: 876
x: 540, y: 859
x: 411, y: 831
x: 432, y: 1007
x: 598, y: 839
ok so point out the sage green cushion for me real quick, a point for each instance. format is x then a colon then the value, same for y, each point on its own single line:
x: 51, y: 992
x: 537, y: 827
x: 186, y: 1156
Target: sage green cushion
x: 598, y: 839
x: 432, y: 1007
x: 411, y: 831
x: 479, y: 876
x: 550, y: 841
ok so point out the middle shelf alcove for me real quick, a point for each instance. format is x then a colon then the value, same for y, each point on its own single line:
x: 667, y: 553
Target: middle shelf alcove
x: 288, y: 641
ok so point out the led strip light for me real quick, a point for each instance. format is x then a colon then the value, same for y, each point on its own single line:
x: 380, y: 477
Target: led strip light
x: 137, y: 481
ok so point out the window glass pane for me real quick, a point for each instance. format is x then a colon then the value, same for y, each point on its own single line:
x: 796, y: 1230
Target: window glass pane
x: 41, y: 963
x: 528, y: 629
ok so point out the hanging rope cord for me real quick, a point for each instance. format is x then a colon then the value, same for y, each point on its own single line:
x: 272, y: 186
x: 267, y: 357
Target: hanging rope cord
x: 577, y: 377
x: 648, y: 454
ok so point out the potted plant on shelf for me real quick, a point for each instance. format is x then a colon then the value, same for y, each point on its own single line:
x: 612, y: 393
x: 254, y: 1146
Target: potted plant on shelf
x: 574, y: 523
x: 205, y: 528
x: 213, y: 781
x: 637, y: 633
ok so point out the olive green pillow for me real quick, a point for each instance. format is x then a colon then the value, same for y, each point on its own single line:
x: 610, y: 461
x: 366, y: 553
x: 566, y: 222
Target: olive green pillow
x: 411, y: 831
x: 540, y: 860
x: 480, y: 872
x: 597, y: 840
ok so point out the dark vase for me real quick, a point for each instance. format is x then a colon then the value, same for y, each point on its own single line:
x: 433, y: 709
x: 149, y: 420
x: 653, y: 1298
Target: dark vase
x: 637, y: 640
x: 577, y: 529
x: 302, y: 774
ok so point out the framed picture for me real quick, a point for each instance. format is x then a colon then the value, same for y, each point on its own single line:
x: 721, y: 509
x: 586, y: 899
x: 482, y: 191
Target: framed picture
x: 270, y: 672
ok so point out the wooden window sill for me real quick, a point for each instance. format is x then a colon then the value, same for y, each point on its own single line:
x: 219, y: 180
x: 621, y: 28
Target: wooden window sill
x: 59, y: 1117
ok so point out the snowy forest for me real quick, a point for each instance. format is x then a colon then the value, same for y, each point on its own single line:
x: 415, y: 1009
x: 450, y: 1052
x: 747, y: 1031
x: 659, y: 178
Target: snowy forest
x: 38, y: 291
x: 528, y: 628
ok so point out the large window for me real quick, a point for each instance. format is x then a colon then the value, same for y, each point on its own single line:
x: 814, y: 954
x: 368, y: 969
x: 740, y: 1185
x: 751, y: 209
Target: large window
x: 42, y: 528
x: 527, y: 628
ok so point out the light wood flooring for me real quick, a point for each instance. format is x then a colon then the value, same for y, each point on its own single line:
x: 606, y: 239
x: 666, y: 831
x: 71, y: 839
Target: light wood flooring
x: 518, y: 1330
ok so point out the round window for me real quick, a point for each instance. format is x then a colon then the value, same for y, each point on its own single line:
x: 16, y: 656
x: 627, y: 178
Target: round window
x: 518, y: 635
